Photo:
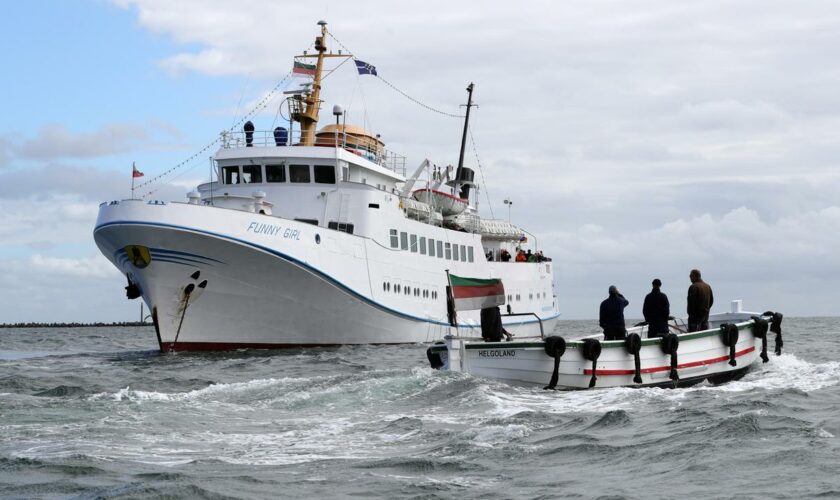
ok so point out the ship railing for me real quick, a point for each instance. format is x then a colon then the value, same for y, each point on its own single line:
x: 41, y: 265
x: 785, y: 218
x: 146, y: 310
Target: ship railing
x: 271, y: 138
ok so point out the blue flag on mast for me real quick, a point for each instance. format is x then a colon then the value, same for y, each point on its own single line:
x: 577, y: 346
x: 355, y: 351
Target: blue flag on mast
x: 365, y: 68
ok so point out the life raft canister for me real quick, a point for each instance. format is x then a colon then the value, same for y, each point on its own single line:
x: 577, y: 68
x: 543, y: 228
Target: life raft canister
x: 555, y: 347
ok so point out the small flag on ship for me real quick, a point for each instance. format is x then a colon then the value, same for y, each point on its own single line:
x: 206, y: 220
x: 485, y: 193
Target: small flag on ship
x: 300, y: 68
x: 365, y: 68
x: 135, y: 172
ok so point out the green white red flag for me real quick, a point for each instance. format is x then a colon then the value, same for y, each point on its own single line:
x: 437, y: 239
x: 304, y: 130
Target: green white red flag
x: 476, y: 293
x: 300, y: 68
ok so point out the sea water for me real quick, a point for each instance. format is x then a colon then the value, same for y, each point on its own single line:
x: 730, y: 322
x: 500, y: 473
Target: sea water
x: 99, y: 412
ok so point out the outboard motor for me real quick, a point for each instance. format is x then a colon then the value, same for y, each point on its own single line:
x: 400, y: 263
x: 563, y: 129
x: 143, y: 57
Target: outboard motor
x: 249, y: 133
x: 281, y: 136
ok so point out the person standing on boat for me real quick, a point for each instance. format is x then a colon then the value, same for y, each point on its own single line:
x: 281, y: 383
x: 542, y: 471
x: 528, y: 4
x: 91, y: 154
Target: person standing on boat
x: 611, y: 317
x: 700, y: 302
x: 656, y: 310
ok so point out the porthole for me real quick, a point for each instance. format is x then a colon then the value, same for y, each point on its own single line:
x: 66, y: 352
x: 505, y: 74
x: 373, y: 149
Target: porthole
x: 384, y: 287
x: 318, y: 239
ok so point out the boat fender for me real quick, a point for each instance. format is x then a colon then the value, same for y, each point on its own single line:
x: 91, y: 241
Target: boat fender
x: 591, y: 351
x: 776, y: 327
x: 729, y: 336
x: 633, y: 343
x: 434, y: 359
x: 760, y: 332
x: 555, y: 347
x: 669, y: 345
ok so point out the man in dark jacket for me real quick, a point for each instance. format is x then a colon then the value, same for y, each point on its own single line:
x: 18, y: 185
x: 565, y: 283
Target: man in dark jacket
x: 700, y: 302
x: 611, y: 317
x: 657, y: 309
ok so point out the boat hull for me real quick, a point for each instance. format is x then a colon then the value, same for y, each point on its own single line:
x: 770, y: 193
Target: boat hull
x: 701, y: 356
x: 216, y: 289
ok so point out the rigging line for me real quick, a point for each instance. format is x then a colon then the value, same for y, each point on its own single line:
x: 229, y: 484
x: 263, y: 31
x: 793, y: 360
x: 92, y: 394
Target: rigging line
x: 150, y: 192
x: 481, y: 171
x: 386, y: 82
x: 241, y: 97
x: 258, y: 107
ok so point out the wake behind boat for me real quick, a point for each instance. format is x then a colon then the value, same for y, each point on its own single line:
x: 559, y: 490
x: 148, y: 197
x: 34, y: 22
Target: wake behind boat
x: 315, y: 237
x: 734, y: 341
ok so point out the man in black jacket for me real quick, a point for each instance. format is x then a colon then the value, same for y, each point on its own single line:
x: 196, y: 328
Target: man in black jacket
x: 656, y: 310
x: 611, y: 317
x: 700, y: 302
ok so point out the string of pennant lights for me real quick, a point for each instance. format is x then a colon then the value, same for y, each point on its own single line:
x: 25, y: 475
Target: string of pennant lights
x: 396, y: 89
x: 199, y: 154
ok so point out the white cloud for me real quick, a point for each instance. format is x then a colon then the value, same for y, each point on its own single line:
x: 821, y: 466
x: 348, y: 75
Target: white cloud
x: 55, y: 141
x: 96, y: 266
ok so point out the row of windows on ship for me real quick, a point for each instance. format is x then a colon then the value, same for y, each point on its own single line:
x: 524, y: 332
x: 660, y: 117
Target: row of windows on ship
x: 297, y: 174
x: 435, y: 248
x: 432, y: 294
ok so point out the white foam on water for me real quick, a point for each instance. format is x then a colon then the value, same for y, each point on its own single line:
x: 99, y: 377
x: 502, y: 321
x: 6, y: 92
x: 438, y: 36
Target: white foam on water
x: 782, y: 372
x: 491, y: 435
x: 824, y: 433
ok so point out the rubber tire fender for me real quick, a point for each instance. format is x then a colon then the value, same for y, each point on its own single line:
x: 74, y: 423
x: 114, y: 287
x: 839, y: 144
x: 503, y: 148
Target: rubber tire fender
x: 633, y: 344
x: 729, y: 337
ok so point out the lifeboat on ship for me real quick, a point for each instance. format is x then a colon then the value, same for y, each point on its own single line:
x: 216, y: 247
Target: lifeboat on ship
x: 445, y: 203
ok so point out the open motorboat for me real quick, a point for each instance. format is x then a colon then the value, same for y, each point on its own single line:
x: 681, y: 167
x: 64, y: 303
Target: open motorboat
x: 724, y: 352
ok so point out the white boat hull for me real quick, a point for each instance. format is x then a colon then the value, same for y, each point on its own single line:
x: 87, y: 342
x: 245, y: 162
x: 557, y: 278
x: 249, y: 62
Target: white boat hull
x: 263, y: 290
x: 700, y: 356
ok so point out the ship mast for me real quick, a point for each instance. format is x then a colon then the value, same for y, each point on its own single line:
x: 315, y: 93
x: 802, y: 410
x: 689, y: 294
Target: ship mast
x: 309, y: 104
x: 466, y: 125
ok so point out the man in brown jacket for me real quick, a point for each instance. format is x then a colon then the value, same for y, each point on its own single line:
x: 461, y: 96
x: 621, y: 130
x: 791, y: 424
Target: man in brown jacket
x: 700, y: 301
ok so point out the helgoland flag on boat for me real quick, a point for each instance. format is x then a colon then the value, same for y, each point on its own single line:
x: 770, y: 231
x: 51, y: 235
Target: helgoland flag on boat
x: 304, y: 69
x: 365, y: 68
x: 475, y: 293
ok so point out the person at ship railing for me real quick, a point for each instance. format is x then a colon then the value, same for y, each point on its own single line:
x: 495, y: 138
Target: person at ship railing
x: 489, y: 255
x: 529, y: 257
x: 504, y: 256
x: 611, y: 316
x: 520, y: 256
x: 656, y: 310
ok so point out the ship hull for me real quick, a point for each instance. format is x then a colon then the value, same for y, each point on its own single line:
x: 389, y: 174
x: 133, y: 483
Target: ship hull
x: 247, y: 283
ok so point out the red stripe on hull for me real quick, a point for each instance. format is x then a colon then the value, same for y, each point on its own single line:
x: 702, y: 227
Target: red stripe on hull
x: 468, y: 292
x: 668, y: 367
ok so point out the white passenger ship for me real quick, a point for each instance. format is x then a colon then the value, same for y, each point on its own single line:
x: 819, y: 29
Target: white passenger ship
x: 313, y: 238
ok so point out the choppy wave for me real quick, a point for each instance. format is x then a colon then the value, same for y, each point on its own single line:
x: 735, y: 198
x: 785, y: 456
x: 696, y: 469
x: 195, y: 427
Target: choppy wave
x: 379, y: 422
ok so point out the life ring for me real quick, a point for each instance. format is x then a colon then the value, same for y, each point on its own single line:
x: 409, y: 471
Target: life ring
x: 555, y: 347
x: 591, y: 351
x: 633, y: 344
x: 669, y: 344
x: 729, y: 337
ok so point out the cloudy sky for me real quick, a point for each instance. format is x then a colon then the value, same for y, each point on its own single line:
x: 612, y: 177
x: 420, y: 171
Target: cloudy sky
x: 637, y: 139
